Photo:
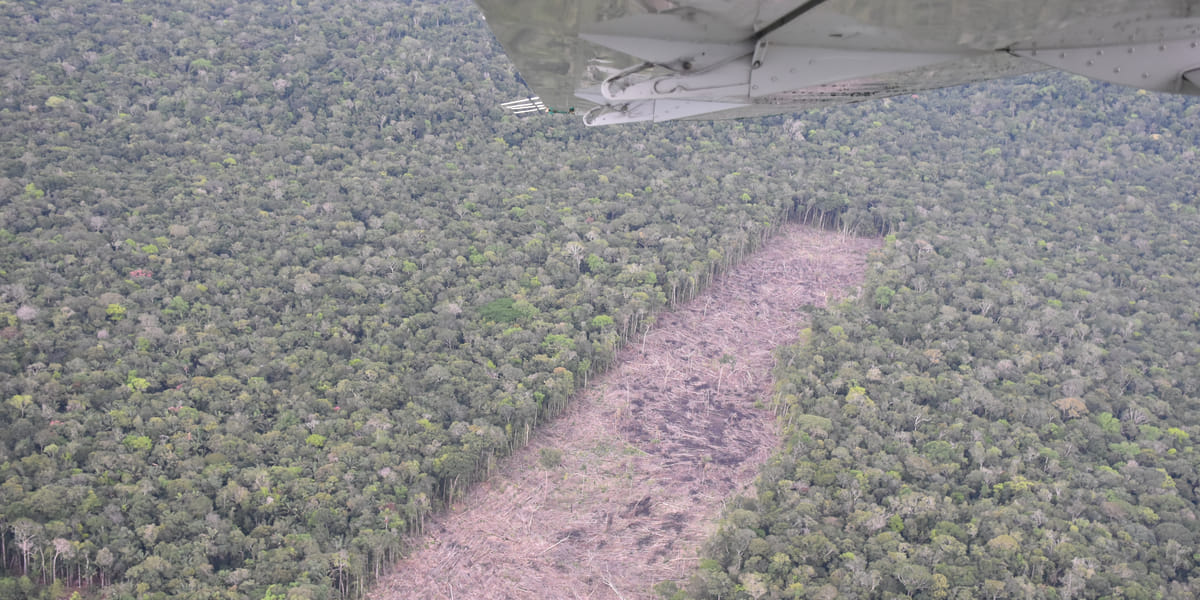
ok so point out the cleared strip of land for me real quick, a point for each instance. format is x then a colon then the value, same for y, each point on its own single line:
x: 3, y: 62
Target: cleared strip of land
x: 650, y: 451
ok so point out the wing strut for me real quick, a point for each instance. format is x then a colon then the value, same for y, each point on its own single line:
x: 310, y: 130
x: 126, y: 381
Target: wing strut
x: 791, y: 15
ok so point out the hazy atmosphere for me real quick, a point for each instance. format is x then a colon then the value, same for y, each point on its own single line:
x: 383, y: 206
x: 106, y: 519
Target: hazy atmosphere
x: 290, y: 308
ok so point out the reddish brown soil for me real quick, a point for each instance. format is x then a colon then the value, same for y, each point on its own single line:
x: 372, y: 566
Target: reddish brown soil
x: 650, y: 451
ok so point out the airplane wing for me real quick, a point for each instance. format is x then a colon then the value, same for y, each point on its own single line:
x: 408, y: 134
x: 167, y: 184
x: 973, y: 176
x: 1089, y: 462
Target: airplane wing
x: 622, y: 61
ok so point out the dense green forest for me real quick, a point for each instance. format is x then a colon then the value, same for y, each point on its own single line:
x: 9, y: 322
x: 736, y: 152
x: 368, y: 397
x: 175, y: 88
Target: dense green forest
x: 277, y: 280
x: 1008, y: 409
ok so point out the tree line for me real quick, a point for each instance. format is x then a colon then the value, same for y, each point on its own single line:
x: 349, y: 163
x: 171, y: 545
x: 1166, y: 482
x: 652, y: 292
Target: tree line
x: 1007, y: 409
x: 278, y: 281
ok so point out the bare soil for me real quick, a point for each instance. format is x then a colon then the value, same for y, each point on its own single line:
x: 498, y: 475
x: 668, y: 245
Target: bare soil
x: 650, y: 451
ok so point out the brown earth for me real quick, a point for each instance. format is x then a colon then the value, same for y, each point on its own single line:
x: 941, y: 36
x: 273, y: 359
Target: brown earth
x: 650, y: 451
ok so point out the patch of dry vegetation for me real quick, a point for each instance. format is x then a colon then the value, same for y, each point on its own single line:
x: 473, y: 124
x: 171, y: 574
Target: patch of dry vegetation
x: 620, y: 491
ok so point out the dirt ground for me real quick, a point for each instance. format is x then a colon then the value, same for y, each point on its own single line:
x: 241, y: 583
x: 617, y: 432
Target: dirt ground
x: 650, y: 451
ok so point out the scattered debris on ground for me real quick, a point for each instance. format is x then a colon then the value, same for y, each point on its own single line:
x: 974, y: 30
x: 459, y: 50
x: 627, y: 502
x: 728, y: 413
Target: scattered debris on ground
x: 650, y: 450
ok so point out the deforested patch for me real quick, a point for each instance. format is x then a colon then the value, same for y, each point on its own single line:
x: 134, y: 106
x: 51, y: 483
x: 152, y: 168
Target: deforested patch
x: 650, y: 450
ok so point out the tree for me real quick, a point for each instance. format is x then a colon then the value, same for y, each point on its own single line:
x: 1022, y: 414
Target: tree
x: 25, y: 533
x: 64, y: 548
x: 1071, y: 407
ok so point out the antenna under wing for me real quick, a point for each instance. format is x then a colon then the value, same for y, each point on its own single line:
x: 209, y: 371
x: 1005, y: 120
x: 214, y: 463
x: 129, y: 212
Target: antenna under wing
x: 525, y: 107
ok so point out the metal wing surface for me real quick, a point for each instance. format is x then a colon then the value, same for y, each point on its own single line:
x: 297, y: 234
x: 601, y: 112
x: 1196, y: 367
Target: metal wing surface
x: 624, y: 61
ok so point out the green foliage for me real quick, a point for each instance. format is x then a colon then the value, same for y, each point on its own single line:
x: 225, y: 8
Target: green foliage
x: 602, y: 322
x: 595, y: 264
x: 500, y: 310
x: 360, y: 297
x: 115, y: 312
x: 21, y: 402
x: 1027, y: 343
x: 137, y: 443
x: 32, y: 191
x: 812, y: 423
x: 135, y: 383
x: 550, y: 458
x: 176, y: 306
x: 314, y: 339
x: 883, y: 296
x: 1108, y: 423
